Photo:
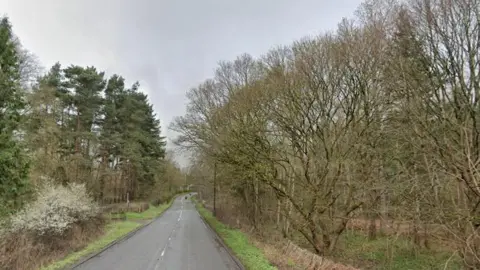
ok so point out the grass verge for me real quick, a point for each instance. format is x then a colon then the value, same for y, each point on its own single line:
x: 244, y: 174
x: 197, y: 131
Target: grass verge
x: 149, y: 214
x: 393, y: 254
x: 250, y: 256
x: 115, y: 230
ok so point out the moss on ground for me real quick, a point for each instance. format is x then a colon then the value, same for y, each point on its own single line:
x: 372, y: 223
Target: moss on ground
x: 250, y: 256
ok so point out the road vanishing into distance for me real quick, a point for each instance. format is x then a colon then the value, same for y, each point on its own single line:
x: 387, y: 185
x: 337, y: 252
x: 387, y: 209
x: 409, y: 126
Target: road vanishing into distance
x: 178, y: 240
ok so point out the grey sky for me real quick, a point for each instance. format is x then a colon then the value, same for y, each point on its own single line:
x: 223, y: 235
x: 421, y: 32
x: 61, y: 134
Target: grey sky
x: 167, y: 45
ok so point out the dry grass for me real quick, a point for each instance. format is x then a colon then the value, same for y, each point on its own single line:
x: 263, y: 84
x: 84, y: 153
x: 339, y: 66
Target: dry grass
x: 288, y: 256
x: 435, y: 236
x: 26, y: 251
x: 120, y: 208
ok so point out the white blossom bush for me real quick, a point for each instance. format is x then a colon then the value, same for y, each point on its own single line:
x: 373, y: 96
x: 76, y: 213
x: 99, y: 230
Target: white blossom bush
x: 55, y: 210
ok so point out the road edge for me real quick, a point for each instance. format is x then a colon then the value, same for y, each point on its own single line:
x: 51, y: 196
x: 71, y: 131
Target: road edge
x: 119, y: 240
x: 220, y: 240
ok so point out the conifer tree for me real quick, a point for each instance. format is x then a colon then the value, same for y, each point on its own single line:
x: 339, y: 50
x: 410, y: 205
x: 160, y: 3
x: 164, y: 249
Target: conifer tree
x: 13, y: 162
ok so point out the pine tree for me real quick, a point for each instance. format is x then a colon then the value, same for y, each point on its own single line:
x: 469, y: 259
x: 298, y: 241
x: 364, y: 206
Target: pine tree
x: 13, y: 162
x: 87, y: 84
x: 142, y: 148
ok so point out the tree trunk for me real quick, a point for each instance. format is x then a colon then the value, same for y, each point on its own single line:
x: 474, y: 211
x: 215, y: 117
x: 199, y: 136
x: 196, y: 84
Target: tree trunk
x: 289, y: 206
x: 279, y: 207
x: 416, y: 220
x: 255, y: 202
x: 372, y: 226
x: 77, y: 136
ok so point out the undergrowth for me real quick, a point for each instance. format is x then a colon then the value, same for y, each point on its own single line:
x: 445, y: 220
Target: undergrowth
x: 392, y: 254
x: 28, y: 251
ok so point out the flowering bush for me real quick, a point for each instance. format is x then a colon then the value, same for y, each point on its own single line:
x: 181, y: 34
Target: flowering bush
x: 55, y: 210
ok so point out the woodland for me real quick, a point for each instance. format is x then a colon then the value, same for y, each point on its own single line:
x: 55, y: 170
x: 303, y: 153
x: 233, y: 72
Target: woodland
x: 356, y: 148
x: 74, y: 144
x: 360, y: 145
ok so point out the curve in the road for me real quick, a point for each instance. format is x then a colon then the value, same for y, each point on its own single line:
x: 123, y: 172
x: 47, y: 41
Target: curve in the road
x: 178, y: 240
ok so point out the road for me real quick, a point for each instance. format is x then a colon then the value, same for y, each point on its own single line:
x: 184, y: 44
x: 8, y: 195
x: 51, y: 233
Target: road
x: 176, y: 241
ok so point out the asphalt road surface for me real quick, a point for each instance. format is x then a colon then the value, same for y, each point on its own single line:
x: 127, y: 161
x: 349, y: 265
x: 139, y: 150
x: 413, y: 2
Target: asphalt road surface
x: 179, y: 240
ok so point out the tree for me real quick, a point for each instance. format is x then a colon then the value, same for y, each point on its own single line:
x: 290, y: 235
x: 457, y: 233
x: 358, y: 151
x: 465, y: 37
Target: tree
x: 13, y: 162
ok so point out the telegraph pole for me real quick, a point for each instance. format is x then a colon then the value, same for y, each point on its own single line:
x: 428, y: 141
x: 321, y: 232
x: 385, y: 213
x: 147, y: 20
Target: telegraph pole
x: 186, y: 181
x: 215, y: 188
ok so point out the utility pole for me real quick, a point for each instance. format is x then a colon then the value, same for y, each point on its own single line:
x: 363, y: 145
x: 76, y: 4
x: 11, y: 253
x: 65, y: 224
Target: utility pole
x: 185, y: 180
x: 215, y: 188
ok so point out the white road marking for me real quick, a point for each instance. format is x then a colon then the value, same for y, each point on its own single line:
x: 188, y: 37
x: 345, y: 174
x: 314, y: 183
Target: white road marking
x: 180, y: 216
x: 169, y: 238
x: 161, y: 255
x: 154, y: 260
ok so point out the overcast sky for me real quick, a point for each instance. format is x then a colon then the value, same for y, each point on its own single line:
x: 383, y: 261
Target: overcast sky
x: 167, y: 45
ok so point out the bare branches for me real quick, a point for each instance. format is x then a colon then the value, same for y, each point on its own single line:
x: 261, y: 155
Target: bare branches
x: 376, y: 120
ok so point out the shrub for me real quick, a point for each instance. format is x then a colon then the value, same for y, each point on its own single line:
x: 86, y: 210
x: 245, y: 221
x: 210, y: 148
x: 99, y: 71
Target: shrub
x: 61, y: 219
x: 28, y: 251
x: 139, y: 207
x: 156, y: 202
x: 121, y: 208
x: 161, y: 200
x: 55, y: 210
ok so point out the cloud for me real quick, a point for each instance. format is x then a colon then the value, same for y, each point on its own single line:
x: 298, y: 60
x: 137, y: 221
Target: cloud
x: 169, y: 46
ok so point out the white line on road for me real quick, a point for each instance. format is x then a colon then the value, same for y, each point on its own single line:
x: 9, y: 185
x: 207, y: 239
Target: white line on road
x: 170, y: 237
x: 161, y: 255
x: 154, y: 260
x: 180, y: 216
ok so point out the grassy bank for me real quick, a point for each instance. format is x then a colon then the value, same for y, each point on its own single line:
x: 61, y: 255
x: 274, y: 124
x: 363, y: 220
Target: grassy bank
x: 250, y: 256
x: 114, y: 231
